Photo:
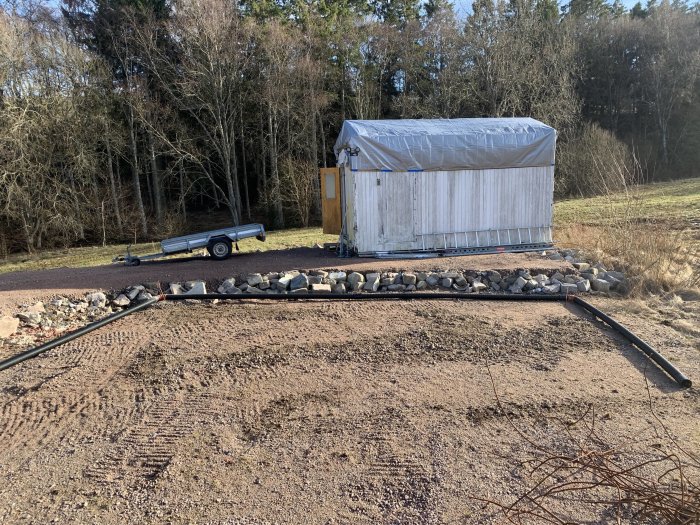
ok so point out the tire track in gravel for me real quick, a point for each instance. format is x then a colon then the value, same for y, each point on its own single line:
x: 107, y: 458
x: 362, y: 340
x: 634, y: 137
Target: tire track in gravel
x: 37, y: 415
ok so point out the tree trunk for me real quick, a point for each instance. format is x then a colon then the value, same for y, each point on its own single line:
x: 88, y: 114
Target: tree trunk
x: 278, y: 221
x: 155, y: 177
x: 113, y: 186
x: 183, y: 208
x: 135, y: 176
x: 245, y: 171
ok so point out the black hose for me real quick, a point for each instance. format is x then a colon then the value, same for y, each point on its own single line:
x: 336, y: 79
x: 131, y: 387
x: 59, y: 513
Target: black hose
x: 32, y: 352
x: 655, y: 356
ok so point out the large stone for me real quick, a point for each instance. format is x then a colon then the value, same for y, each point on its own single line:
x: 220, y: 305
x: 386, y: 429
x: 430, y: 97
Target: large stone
x: 421, y: 276
x: 556, y: 257
x: 421, y: 285
x: 283, y: 282
x: 318, y: 273
x: 96, y: 299
x: 478, y: 286
x: 581, y: 266
x: 397, y: 288
x: 338, y: 288
x: 8, y: 326
x: 338, y: 277
x: 300, y: 282
x: 449, y: 275
x: 228, y: 286
x: 551, y: 288
x: 558, y: 276
x: 460, y: 281
x: 357, y: 286
x: 31, y: 318
x: 265, y: 285
x: 372, y: 275
x: 531, y: 284
x: 37, y: 308
x: 409, y: 278
x: 446, y: 282
x: 386, y: 281
x: 433, y: 279
x: 315, y: 279
x: 584, y: 285
x: 144, y: 296
x: 134, y: 291
x: 518, y: 284
x: 372, y: 284
x: 619, y: 276
x: 254, y: 279
x: 121, y: 300
x: 568, y: 288
x: 541, y: 279
x: 355, y: 277
x: 320, y: 288
x: 494, y: 276
x: 197, y: 288
x: 176, y: 289
x: 600, y: 285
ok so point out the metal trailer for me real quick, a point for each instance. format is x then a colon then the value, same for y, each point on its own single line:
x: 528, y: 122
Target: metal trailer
x: 219, y: 243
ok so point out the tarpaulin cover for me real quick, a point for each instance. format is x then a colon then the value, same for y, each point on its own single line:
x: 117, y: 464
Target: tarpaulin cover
x: 445, y: 144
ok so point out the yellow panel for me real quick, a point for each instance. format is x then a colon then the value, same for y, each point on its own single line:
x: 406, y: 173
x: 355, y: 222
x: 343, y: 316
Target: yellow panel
x: 330, y: 200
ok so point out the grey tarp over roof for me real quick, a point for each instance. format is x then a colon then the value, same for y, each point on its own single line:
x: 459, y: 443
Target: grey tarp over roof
x: 447, y: 144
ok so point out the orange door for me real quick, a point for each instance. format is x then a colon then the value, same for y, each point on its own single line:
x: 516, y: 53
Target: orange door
x: 330, y: 199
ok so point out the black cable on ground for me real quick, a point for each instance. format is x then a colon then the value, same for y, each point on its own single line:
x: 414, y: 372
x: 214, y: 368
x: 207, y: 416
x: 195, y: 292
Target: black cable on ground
x: 32, y: 352
x: 655, y: 356
x: 676, y: 374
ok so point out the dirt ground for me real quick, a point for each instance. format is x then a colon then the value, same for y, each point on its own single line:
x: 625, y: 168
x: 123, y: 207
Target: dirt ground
x: 30, y: 286
x: 321, y: 412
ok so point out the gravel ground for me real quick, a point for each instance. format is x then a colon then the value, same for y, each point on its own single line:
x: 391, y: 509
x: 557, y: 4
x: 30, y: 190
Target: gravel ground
x: 318, y: 412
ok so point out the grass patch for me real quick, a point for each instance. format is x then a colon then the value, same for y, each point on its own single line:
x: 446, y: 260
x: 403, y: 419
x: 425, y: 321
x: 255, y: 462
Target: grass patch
x: 651, y: 232
x: 666, y: 201
x: 99, y: 255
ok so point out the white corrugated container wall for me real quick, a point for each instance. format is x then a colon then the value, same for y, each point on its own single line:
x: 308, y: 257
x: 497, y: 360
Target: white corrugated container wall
x: 437, y: 210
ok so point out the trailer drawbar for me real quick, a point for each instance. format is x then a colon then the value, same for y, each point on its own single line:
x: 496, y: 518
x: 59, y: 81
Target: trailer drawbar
x: 652, y: 353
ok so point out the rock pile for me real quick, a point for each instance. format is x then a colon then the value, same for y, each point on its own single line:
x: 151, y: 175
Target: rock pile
x: 599, y: 278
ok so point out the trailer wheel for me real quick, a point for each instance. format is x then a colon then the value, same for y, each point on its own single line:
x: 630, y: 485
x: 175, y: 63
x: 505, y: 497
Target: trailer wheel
x: 135, y: 261
x: 219, y: 249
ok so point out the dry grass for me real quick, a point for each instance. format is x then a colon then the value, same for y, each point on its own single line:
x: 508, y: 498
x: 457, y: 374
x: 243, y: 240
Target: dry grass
x: 649, y: 231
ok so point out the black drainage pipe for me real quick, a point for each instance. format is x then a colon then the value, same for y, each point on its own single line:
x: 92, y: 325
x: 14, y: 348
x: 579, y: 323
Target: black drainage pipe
x: 655, y: 356
x: 32, y: 352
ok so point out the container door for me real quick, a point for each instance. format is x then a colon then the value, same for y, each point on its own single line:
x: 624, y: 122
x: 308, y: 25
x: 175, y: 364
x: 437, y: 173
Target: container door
x: 330, y: 200
x: 396, y: 203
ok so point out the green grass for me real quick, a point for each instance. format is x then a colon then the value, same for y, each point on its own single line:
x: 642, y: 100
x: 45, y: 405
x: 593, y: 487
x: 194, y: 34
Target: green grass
x: 677, y: 201
x: 98, y: 255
